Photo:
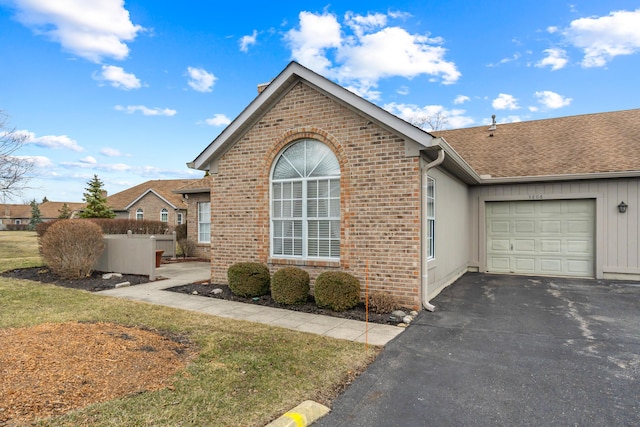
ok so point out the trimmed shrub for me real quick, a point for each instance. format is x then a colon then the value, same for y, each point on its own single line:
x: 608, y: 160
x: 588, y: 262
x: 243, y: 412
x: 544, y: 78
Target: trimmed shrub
x: 44, y: 226
x: 71, y: 247
x: 336, y: 290
x: 382, y: 302
x: 122, y: 225
x: 290, y: 285
x: 249, y: 279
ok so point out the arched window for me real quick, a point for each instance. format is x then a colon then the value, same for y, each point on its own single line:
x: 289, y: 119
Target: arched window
x: 139, y: 215
x: 305, y: 202
x: 164, y: 215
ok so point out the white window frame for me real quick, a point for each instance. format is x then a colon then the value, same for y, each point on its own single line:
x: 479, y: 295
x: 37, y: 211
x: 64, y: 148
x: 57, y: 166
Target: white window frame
x: 179, y: 218
x: 300, y: 242
x: 164, y: 215
x: 204, y: 222
x: 430, y: 215
x: 139, y: 215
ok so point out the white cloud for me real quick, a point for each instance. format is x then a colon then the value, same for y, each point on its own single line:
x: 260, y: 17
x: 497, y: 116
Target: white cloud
x: 506, y: 60
x: 38, y: 161
x: 552, y: 100
x: 218, y: 120
x: 201, y: 80
x: 130, y: 109
x: 505, y: 102
x: 403, y: 90
x: 316, y: 34
x: 118, y: 78
x: 461, y: 99
x: 556, y: 59
x: 603, y: 38
x: 111, y: 152
x: 90, y: 29
x: 429, y: 115
x: 369, y: 52
x: 246, y: 41
x: 56, y: 142
x: 89, y: 160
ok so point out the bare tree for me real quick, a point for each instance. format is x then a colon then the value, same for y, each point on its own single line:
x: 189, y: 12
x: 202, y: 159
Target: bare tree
x: 14, y: 171
x: 431, y: 122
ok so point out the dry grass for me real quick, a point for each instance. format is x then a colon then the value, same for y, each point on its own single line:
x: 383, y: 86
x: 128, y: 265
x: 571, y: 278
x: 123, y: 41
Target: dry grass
x: 19, y: 249
x: 245, y: 373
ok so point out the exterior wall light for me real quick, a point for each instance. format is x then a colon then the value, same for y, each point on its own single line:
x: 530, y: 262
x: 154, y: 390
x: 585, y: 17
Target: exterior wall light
x: 622, y: 207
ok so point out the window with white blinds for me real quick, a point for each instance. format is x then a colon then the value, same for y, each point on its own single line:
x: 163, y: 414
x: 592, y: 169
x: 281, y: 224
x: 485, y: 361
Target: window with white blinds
x: 204, y: 222
x: 305, y: 202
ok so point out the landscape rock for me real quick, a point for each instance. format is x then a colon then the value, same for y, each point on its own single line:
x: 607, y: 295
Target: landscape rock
x: 407, y: 319
x: 217, y: 291
x: 122, y: 285
x: 195, y: 293
x: 108, y: 276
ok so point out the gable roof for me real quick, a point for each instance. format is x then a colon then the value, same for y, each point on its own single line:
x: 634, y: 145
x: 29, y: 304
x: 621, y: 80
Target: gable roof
x: 163, y: 188
x: 52, y: 209
x: 287, y: 79
x: 15, y: 211
x: 202, y: 185
x: 584, y: 146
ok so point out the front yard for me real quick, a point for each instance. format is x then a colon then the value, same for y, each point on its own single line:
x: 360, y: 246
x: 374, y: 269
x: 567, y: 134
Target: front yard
x: 237, y: 373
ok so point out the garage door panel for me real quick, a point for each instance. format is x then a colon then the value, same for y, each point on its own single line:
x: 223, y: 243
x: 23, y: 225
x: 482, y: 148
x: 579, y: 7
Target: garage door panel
x: 526, y: 227
x: 525, y: 245
x: 550, y: 266
x: 550, y: 246
x: 541, y: 237
x: 500, y: 227
x: 550, y: 226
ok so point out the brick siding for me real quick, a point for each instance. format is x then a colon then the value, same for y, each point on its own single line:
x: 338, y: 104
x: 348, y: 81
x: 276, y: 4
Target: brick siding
x: 380, y: 195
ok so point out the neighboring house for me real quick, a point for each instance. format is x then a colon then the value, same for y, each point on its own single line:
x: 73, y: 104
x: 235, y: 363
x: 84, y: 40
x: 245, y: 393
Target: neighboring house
x: 14, y: 214
x: 21, y: 214
x: 311, y: 175
x: 196, y: 195
x: 151, y: 200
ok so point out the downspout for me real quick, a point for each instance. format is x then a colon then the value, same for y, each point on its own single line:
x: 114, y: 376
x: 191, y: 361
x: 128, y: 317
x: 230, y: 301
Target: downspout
x: 425, y: 273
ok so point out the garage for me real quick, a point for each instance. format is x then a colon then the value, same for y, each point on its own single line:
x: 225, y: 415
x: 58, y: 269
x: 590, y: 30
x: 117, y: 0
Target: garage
x: 541, y: 237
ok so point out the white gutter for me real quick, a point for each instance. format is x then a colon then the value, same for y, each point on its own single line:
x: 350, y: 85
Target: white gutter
x: 425, y: 271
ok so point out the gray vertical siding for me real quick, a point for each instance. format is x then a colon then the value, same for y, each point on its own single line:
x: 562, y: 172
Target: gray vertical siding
x: 452, y: 233
x: 617, y: 247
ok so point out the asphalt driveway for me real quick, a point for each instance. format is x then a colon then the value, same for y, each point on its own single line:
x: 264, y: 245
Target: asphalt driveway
x: 508, y: 350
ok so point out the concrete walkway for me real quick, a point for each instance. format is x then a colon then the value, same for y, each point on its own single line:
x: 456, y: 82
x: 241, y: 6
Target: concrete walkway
x: 189, y: 272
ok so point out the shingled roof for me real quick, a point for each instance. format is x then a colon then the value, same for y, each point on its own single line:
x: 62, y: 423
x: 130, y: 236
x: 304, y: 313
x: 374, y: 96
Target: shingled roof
x: 52, y: 209
x: 585, y: 144
x: 162, y: 187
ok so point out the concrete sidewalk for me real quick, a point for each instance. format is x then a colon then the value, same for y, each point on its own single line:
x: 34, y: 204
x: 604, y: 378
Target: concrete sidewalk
x: 189, y: 272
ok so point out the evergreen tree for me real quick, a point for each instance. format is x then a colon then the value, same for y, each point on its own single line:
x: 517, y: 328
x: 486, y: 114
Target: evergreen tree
x: 36, y: 216
x: 44, y: 199
x: 65, y: 212
x: 96, y: 200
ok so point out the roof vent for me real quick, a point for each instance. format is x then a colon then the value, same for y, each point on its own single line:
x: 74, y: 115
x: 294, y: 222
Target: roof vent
x: 493, y: 123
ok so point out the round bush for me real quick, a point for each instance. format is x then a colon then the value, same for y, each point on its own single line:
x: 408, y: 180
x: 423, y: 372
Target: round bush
x: 249, y: 279
x: 290, y: 285
x: 70, y: 247
x: 336, y: 290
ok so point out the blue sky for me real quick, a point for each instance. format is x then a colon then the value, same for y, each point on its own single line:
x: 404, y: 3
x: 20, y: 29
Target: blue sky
x: 132, y: 91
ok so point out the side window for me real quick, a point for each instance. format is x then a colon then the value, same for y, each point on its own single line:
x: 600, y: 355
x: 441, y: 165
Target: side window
x: 164, y: 215
x: 431, y: 217
x: 139, y: 215
x: 204, y: 222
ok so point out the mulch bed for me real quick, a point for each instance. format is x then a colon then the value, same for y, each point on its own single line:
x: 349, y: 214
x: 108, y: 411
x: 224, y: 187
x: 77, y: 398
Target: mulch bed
x: 93, y: 283
x: 357, y: 313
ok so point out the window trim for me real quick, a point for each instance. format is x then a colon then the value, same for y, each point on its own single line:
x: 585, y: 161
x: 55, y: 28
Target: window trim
x: 163, y: 212
x: 179, y: 218
x: 139, y: 212
x: 304, y: 218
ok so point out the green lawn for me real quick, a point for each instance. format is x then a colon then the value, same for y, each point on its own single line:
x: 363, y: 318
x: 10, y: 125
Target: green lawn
x: 246, y: 374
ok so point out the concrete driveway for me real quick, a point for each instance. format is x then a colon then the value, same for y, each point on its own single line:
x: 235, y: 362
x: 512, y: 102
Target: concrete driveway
x: 508, y: 350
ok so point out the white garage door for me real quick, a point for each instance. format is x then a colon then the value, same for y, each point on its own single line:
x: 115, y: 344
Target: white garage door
x: 550, y: 237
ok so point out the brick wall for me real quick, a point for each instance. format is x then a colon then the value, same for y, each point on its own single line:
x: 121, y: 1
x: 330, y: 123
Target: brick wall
x: 151, y: 206
x: 380, y: 195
